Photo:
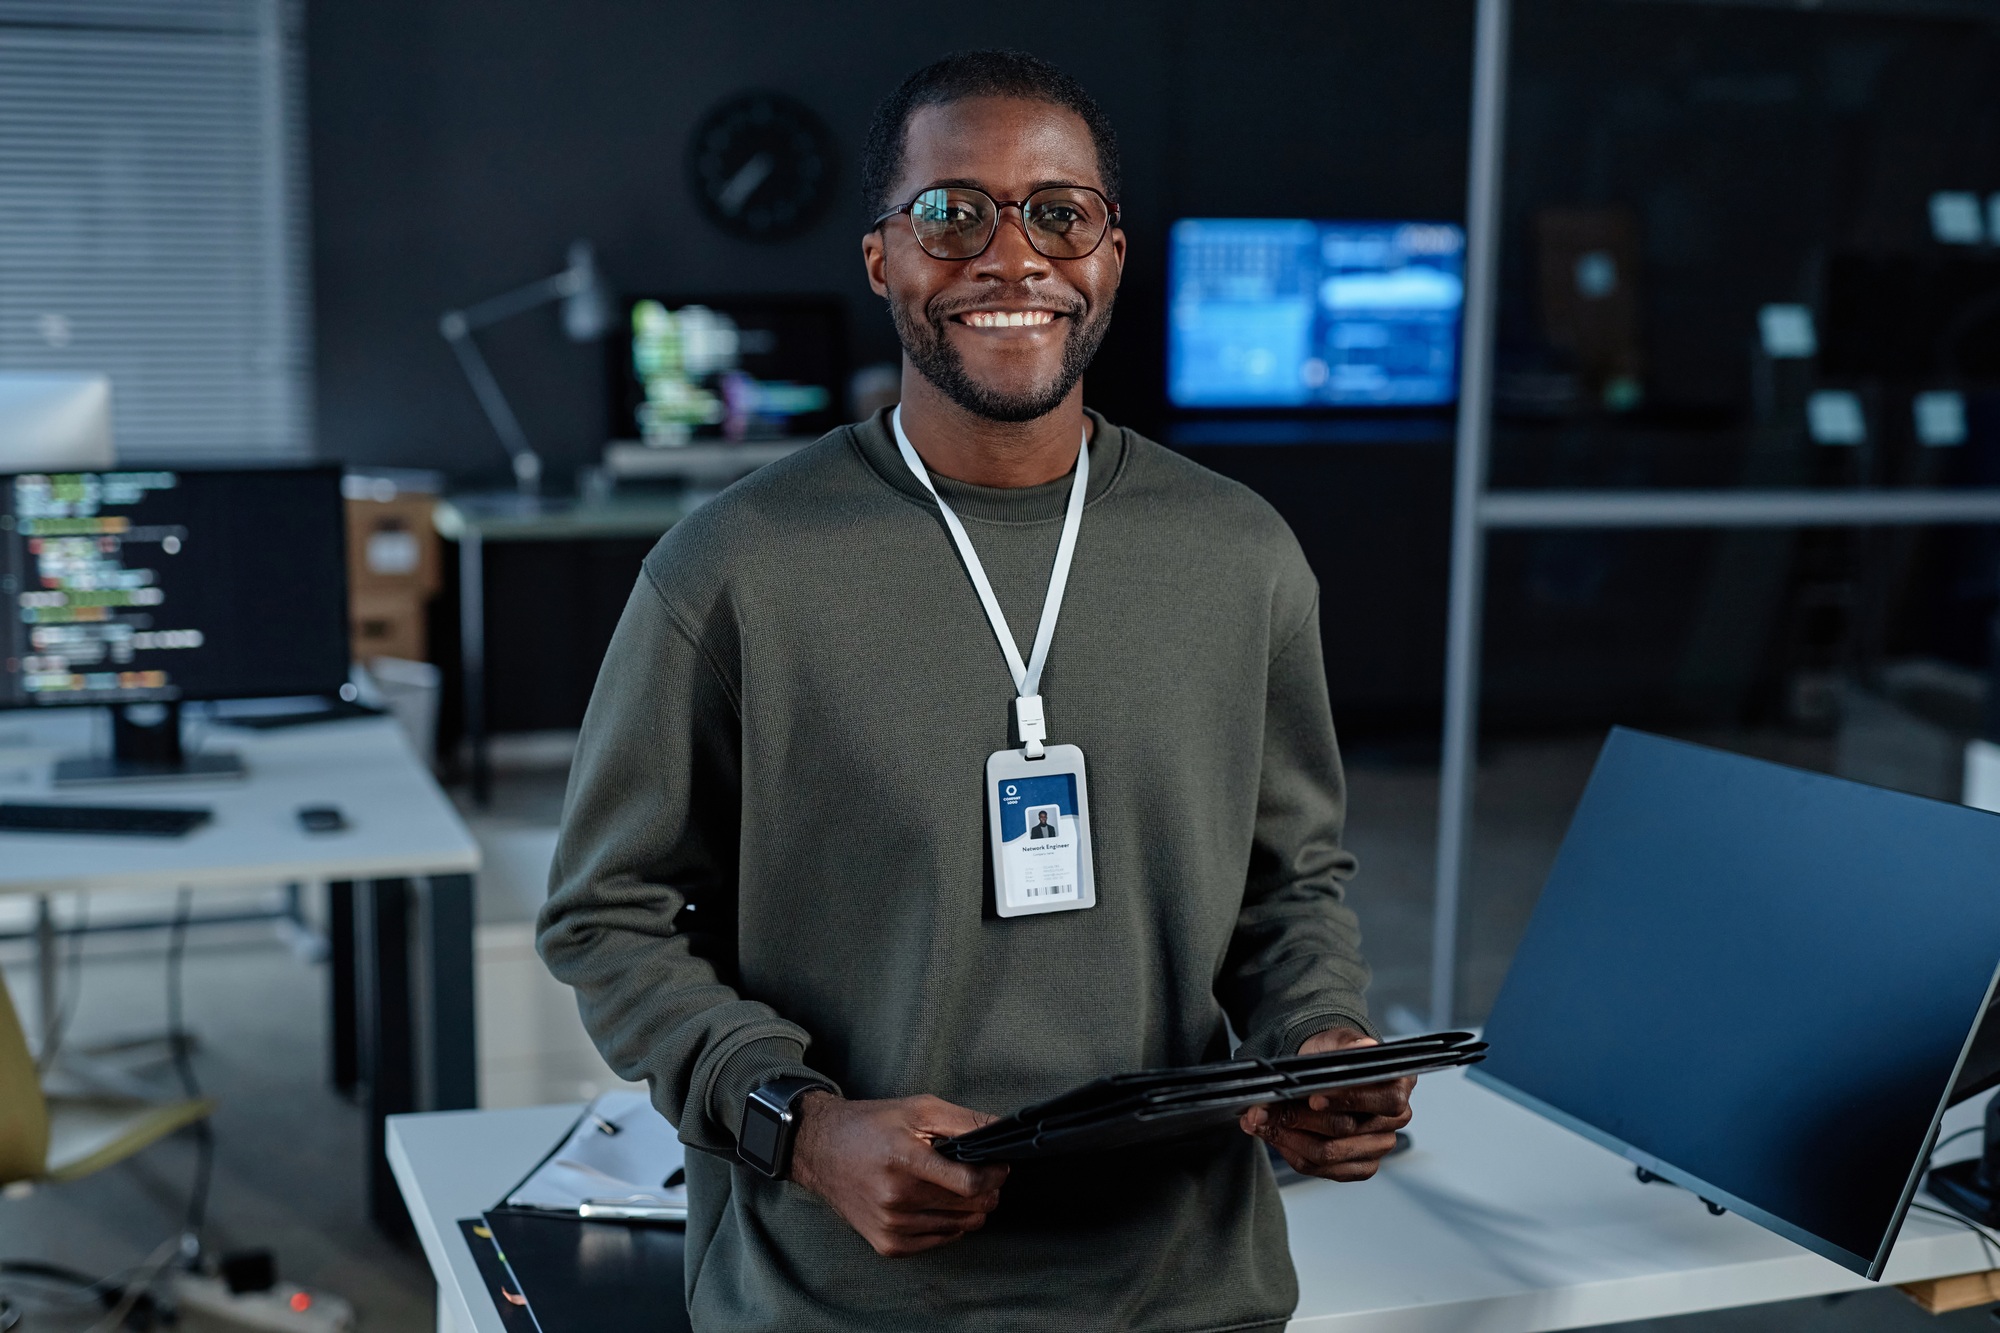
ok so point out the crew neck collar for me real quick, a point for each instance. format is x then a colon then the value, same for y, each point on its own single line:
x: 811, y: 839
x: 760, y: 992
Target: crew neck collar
x: 876, y: 440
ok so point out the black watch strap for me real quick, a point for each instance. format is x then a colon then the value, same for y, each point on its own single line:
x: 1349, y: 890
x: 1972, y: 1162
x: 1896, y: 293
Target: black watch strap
x: 771, y: 1122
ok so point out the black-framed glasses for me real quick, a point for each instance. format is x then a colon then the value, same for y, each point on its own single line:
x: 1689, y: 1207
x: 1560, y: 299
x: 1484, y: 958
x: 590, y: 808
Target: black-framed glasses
x: 959, y: 222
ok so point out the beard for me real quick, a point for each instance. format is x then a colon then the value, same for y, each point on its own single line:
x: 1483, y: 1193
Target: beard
x: 930, y: 350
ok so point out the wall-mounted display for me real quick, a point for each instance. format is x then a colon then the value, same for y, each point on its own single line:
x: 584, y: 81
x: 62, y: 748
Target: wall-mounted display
x: 1290, y: 313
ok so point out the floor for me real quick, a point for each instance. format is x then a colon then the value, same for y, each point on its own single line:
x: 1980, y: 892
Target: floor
x: 288, y: 1148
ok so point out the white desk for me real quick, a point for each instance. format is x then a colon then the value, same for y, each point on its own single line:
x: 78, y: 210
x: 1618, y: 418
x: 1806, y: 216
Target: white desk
x: 400, y: 823
x: 1497, y: 1221
x: 402, y: 950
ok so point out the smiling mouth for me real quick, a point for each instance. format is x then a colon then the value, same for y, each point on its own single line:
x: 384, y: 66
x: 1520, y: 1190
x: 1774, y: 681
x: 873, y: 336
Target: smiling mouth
x: 1006, y: 319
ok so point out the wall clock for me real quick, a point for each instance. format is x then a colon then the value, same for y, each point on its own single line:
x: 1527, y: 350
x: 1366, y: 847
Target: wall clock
x: 762, y: 165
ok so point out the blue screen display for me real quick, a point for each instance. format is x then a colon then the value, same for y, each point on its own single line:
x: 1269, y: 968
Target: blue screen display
x: 1288, y: 313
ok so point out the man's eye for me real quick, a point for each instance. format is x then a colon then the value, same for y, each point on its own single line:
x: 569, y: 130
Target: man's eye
x: 1058, y: 215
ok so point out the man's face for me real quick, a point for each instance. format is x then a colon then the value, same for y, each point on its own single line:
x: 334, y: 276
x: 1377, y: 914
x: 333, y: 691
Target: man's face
x: 1009, y: 147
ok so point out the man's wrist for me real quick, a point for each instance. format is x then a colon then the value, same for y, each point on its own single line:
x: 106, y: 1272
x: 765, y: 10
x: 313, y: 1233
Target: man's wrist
x: 813, y: 1109
x: 1337, y: 1035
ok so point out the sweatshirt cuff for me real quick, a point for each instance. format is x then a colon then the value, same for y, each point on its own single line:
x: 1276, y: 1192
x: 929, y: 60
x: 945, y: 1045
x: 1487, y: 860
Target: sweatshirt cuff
x: 750, y: 1067
x: 1296, y: 1033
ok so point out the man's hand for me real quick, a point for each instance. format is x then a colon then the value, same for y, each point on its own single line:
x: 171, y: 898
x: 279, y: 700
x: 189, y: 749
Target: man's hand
x: 1339, y: 1135
x: 874, y: 1163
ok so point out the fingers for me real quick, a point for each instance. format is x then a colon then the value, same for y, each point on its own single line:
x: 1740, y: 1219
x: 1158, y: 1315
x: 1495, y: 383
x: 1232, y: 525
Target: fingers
x: 912, y: 1215
x: 900, y: 1244
x: 1327, y: 1123
x: 1346, y: 1159
x: 931, y: 1224
x: 1389, y: 1098
x: 934, y: 1118
x: 1337, y: 1123
x: 910, y: 1193
x: 949, y: 1179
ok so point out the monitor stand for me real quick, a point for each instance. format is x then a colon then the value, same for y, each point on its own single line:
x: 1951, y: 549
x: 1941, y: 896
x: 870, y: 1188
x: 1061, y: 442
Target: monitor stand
x: 146, y: 747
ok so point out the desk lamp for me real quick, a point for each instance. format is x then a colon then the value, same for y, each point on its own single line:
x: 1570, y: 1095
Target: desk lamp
x: 586, y: 312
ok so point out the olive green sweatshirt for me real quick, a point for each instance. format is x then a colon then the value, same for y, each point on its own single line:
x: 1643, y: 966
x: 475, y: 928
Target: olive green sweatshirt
x: 774, y: 861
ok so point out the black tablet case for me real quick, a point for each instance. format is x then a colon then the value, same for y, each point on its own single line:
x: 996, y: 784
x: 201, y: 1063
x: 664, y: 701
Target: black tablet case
x: 1125, y: 1110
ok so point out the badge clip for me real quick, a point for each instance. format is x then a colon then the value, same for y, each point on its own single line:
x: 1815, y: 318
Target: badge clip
x: 1029, y: 725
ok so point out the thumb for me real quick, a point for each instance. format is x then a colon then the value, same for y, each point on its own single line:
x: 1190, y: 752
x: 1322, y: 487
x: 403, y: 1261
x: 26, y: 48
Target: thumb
x: 934, y: 1117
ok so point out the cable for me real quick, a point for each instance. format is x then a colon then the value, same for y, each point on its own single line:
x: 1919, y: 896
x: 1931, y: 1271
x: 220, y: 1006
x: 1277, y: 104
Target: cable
x: 1952, y: 1138
x: 135, y: 1288
x: 1986, y: 1238
x: 66, y: 1010
x: 197, y: 1209
x: 38, y: 1271
x: 149, y: 1273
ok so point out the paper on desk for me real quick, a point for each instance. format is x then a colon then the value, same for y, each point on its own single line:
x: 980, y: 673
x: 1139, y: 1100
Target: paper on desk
x: 631, y: 1167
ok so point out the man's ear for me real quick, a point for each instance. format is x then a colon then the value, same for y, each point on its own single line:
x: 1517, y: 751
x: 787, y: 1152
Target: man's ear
x: 875, y: 258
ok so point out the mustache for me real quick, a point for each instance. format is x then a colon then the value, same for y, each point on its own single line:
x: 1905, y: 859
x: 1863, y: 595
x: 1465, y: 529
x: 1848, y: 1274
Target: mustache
x: 1062, y: 303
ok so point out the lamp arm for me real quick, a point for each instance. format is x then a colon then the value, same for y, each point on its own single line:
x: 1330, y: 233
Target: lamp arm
x: 457, y: 327
x: 493, y: 309
x: 527, y: 464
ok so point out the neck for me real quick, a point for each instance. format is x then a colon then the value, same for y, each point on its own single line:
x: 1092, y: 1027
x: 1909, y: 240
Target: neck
x: 967, y: 447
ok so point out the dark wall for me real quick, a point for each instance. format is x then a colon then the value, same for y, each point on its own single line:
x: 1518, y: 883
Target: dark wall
x: 458, y: 147
x: 1750, y: 145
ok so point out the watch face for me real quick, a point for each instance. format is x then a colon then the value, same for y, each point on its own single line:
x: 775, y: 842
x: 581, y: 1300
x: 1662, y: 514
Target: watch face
x: 759, y: 1140
x: 762, y: 166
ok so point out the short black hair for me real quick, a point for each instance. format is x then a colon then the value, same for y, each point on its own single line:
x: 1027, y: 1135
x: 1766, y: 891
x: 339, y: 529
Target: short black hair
x: 968, y: 74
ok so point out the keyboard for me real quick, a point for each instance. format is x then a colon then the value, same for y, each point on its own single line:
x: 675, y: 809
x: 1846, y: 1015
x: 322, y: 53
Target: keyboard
x: 145, y: 821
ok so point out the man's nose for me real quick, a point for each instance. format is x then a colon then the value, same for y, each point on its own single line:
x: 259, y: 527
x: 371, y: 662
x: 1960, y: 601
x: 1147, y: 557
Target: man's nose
x: 1010, y: 257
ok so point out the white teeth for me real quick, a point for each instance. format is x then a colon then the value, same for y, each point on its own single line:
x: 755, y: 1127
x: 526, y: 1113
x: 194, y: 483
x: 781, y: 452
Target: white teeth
x: 1008, y: 319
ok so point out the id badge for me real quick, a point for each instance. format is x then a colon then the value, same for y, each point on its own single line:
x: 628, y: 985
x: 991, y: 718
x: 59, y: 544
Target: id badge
x: 1039, y: 814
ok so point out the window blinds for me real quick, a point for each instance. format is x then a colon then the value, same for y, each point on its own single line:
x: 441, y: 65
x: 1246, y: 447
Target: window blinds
x: 152, y: 219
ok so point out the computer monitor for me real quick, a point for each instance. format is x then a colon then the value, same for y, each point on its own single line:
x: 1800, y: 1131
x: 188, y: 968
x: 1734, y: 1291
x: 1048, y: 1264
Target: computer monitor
x: 1757, y: 983
x: 728, y: 368
x: 54, y: 419
x: 158, y: 586
x: 1295, y: 314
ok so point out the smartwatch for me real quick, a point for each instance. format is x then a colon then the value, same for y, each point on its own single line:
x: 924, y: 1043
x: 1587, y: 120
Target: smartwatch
x: 771, y: 1122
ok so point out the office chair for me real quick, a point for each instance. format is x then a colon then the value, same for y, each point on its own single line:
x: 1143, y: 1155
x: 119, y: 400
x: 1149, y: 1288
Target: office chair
x: 50, y: 1138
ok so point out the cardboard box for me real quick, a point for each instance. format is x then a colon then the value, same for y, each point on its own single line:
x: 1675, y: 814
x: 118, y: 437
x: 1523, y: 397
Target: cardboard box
x: 387, y: 624
x: 392, y: 545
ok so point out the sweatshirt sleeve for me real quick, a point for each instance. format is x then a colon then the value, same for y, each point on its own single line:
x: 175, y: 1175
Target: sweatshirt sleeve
x: 1294, y: 967
x: 641, y: 906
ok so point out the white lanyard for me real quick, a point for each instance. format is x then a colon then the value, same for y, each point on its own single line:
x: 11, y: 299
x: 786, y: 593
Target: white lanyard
x: 1027, y: 676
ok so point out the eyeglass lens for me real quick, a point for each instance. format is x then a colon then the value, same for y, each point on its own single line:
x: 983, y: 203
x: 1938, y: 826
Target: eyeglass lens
x: 957, y: 222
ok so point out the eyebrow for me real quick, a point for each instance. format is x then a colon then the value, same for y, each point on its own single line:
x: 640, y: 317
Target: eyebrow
x: 967, y: 183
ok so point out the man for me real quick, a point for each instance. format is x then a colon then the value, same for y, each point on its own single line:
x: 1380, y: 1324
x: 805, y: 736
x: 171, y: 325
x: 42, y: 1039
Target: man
x: 1043, y: 828
x: 770, y: 973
